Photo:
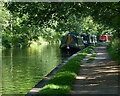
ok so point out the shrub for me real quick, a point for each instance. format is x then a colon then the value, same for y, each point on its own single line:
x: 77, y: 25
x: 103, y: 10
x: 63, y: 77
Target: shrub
x: 114, y: 49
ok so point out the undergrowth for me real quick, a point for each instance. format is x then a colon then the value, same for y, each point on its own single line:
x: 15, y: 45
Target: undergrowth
x: 114, y: 49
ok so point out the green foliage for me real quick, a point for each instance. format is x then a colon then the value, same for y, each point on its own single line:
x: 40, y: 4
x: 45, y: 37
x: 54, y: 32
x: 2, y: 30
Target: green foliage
x: 19, y: 36
x: 4, y: 15
x: 114, y: 49
x: 7, y: 40
x: 51, y: 20
x: 40, y: 12
x: 4, y: 18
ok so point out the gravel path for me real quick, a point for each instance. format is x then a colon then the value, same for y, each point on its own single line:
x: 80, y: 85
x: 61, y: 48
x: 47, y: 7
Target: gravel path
x: 100, y: 76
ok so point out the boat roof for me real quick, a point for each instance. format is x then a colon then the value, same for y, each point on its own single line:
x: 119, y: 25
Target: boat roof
x: 83, y: 34
x: 74, y: 33
x: 93, y: 35
x: 80, y: 34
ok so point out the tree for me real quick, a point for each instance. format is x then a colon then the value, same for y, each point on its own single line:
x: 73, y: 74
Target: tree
x: 63, y: 17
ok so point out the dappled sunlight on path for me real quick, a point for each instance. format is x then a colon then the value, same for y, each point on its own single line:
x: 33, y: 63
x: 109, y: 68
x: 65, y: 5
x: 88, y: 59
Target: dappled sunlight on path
x: 98, y: 77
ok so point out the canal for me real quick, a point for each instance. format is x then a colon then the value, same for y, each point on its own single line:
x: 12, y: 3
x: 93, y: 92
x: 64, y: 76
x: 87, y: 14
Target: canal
x: 23, y: 68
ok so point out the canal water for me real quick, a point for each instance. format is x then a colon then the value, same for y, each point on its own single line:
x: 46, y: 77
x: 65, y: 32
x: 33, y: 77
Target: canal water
x: 23, y: 68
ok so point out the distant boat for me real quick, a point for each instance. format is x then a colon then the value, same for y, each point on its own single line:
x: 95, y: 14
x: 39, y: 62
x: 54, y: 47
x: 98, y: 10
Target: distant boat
x: 89, y: 39
x: 77, y: 41
x: 105, y: 38
x: 93, y: 39
x: 86, y: 39
x: 72, y: 41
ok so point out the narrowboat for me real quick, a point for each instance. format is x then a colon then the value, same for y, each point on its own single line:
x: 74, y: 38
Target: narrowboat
x: 86, y: 39
x: 93, y: 39
x: 72, y: 41
x: 105, y: 38
x: 89, y: 39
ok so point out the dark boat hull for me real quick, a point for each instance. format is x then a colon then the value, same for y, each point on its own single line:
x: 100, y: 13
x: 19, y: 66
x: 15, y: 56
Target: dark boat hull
x: 71, y: 47
x: 72, y: 41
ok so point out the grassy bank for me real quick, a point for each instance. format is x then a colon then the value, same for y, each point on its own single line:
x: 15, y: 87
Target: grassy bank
x: 92, y: 57
x: 114, y: 49
x: 61, y: 83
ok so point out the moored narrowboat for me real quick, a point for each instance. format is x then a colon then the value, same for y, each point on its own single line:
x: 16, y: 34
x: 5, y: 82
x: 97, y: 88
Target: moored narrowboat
x: 105, y: 38
x: 89, y: 39
x: 72, y: 41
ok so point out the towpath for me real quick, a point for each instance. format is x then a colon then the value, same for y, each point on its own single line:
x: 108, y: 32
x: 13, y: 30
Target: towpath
x: 99, y: 77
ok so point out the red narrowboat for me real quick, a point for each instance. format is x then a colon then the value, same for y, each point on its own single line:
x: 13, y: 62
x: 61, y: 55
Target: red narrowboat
x: 105, y: 38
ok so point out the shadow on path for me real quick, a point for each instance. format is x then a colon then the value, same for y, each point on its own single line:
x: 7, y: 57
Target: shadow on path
x: 100, y: 76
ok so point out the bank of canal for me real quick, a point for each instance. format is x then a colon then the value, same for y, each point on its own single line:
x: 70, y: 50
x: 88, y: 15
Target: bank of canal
x: 23, y: 68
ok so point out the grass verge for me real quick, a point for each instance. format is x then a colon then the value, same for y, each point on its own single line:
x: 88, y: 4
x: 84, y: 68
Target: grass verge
x: 61, y: 83
x: 92, y: 57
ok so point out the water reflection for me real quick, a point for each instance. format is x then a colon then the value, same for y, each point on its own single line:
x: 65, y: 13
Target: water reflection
x: 23, y: 68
